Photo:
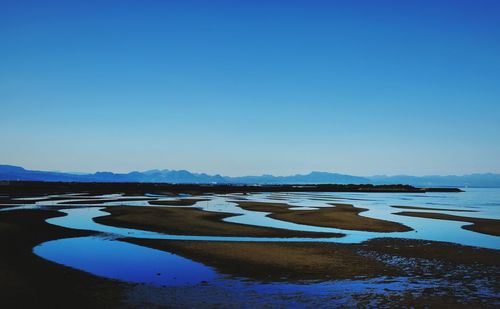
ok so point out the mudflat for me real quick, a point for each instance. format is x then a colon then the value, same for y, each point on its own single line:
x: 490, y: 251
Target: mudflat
x: 30, y: 281
x: 192, y: 221
x: 276, y: 261
x: 432, y: 208
x: 179, y: 202
x: 342, y: 216
x: 378, y: 258
x: 484, y: 226
x: 102, y: 201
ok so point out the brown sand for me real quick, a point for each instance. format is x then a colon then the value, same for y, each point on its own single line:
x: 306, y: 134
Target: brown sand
x: 179, y: 202
x: 276, y: 261
x: 191, y: 221
x: 97, y: 201
x: 342, y: 216
x: 328, y: 261
x: 430, y: 208
x: 29, y: 281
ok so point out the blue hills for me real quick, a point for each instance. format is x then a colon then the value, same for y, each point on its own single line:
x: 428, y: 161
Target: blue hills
x: 12, y: 173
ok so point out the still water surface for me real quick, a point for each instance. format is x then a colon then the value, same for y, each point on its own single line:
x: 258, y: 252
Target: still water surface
x: 107, y: 256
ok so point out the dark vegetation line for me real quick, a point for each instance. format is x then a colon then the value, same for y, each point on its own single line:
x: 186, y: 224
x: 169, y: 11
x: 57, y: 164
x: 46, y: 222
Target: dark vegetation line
x: 27, y: 188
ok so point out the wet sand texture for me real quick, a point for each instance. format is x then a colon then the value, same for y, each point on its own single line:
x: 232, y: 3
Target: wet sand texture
x: 191, y: 221
x: 432, y: 208
x: 342, y: 216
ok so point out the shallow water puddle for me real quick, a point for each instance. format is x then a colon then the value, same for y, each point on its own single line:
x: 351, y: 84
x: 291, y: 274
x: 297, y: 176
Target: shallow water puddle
x: 124, y: 261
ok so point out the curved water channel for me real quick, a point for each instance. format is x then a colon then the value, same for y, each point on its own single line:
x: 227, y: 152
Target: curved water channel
x: 378, y: 205
x: 105, y: 255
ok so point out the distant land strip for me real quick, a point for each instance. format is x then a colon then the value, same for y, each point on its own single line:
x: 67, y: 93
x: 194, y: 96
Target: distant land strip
x: 29, y: 188
x: 485, y: 180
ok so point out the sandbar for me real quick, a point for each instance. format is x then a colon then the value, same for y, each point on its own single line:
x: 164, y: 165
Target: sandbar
x: 480, y: 225
x: 192, y: 221
x: 341, y: 216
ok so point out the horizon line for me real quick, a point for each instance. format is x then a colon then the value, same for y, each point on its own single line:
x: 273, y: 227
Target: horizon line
x: 250, y: 175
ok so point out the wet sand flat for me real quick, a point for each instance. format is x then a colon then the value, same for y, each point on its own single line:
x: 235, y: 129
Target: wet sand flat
x: 432, y: 208
x: 29, y: 281
x: 276, y: 261
x: 342, y: 216
x: 484, y: 226
x: 462, y: 276
x: 102, y: 201
x: 16, y: 201
x: 179, y: 202
x: 191, y: 221
x: 378, y: 258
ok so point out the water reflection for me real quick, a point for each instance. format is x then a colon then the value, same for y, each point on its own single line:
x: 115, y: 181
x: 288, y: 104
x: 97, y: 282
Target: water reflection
x: 124, y: 261
x: 82, y: 218
x: 379, y: 206
x: 109, y: 257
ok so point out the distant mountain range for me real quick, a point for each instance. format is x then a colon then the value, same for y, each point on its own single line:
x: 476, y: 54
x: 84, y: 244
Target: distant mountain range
x: 9, y: 172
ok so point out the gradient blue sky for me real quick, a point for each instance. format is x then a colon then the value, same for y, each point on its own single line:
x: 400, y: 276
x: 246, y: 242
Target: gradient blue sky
x: 251, y: 87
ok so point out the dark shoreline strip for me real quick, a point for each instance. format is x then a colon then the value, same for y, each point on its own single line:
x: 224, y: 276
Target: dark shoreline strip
x: 30, y: 188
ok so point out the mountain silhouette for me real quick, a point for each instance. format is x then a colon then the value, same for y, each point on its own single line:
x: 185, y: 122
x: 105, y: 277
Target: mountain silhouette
x: 12, y: 173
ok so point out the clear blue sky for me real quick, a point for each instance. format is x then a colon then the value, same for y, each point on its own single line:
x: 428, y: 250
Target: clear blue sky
x: 251, y: 87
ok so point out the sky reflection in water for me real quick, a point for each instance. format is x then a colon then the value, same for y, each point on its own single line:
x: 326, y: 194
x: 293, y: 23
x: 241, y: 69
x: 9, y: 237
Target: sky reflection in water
x: 111, y: 258
x: 124, y: 261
